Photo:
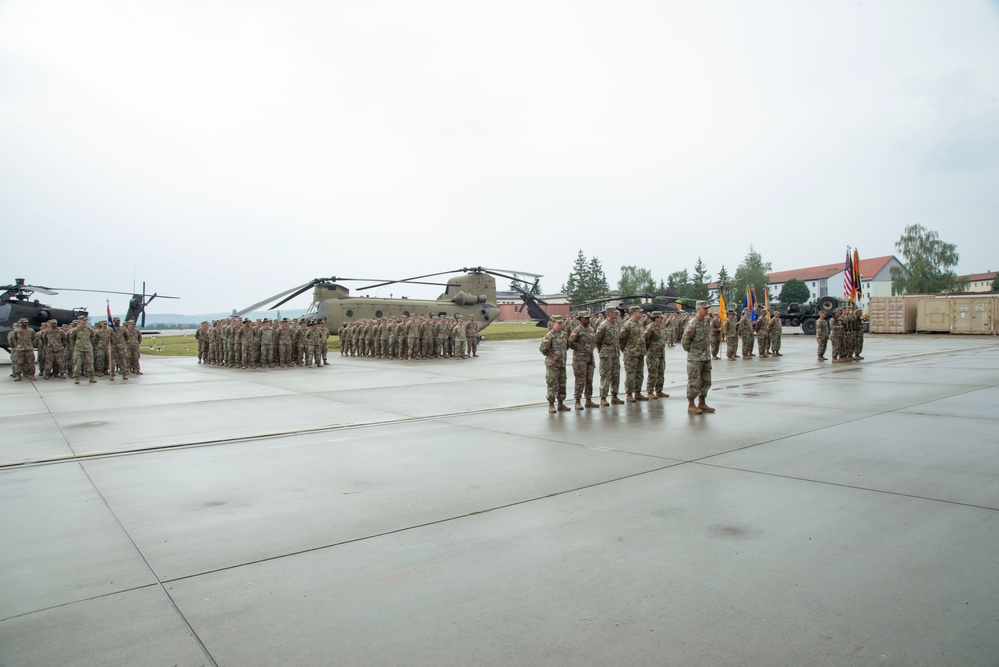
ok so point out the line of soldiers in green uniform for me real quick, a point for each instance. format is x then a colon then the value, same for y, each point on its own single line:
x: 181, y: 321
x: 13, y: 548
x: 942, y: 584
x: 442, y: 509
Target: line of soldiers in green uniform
x: 77, y: 350
x: 764, y: 334
x: 846, y: 331
x: 641, y: 339
x: 412, y: 337
x: 266, y: 343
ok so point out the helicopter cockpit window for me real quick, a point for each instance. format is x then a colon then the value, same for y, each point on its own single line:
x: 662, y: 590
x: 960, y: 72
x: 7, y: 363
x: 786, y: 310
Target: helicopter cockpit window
x: 378, y: 314
x: 4, y: 311
x: 349, y: 313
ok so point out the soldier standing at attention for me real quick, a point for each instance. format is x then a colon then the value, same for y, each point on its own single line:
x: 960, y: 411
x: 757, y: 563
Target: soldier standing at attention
x: 655, y: 359
x: 472, y: 332
x: 582, y: 341
x: 763, y: 333
x: 776, y: 330
x: 553, y: 346
x: 83, y: 350
x: 202, y: 335
x: 21, y: 340
x: 822, y: 335
x: 696, y: 341
x: 267, y: 345
x: 836, y: 336
x: 746, y: 333
x: 858, y: 343
x: 716, y: 336
x: 461, y: 345
x: 55, y: 353
x: 609, y: 351
x: 633, y: 345
x: 731, y: 332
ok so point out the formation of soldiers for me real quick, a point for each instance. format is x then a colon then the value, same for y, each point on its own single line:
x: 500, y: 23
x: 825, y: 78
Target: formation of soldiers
x: 846, y: 331
x: 641, y: 339
x: 266, y: 343
x: 75, y: 351
x: 764, y: 334
x: 412, y: 337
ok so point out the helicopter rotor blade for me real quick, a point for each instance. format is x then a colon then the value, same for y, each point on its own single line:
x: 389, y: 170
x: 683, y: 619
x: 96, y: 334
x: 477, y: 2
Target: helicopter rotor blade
x: 290, y: 297
x: 299, y: 289
x: 409, y: 280
x: 39, y: 288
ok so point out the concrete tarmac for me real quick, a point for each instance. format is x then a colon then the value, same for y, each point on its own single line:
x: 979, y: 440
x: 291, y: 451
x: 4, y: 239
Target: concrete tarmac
x: 379, y: 512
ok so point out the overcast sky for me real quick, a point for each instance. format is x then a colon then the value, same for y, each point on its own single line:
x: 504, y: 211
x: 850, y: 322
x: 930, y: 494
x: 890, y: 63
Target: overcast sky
x: 226, y: 150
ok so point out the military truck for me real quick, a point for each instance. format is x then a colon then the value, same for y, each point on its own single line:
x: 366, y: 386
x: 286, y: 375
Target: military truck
x: 805, y: 314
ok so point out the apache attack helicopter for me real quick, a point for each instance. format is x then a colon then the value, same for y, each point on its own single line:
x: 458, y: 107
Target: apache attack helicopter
x: 471, y: 295
x: 16, y: 302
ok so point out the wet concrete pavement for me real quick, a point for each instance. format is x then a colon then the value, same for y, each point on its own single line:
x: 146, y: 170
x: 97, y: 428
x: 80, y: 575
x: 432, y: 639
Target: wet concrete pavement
x: 434, y: 513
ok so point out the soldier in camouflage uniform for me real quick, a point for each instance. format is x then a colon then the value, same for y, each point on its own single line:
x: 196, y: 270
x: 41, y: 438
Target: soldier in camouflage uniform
x: 655, y: 359
x: 763, y: 333
x: 776, y: 331
x: 55, y: 353
x: 746, y: 334
x: 22, y: 353
x: 696, y: 342
x: 472, y: 332
x: 100, y: 338
x: 82, y: 341
x: 822, y: 335
x: 716, y: 336
x: 582, y: 341
x: 633, y: 345
x: 202, y: 335
x: 836, y: 336
x: 461, y: 344
x: 731, y: 332
x: 553, y: 346
x: 609, y: 351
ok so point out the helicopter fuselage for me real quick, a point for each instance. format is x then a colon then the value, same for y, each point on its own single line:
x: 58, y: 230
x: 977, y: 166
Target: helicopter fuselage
x: 37, y: 313
x: 333, y: 303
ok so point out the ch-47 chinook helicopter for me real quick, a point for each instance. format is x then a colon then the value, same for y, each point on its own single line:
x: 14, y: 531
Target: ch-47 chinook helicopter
x: 471, y: 295
x: 16, y: 303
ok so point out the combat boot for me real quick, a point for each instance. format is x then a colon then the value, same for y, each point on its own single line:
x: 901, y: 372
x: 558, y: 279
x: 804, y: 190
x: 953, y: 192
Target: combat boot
x: 652, y: 395
x: 562, y: 407
x: 702, y: 406
x: 603, y: 402
x: 691, y: 408
x: 17, y: 378
x: 551, y: 407
x: 662, y: 394
x: 76, y: 379
x: 578, y: 405
x: 92, y: 379
x: 630, y: 398
x: 615, y: 400
x: 640, y: 397
x: 590, y: 404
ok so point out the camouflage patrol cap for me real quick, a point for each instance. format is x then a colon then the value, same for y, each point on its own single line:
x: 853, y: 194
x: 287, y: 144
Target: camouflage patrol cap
x: 610, y: 309
x: 556, y: 318
x: 457, y: 317
x: 634, y: 309
x: 284, y: 319
x: 655, y: 313
x: 583, y: 313
x: 24, y: 320
x: 703, y: 304
x: 80, y: 317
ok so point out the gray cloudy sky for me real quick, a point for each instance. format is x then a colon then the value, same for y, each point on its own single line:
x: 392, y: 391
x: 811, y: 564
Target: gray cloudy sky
x: 227, y: 150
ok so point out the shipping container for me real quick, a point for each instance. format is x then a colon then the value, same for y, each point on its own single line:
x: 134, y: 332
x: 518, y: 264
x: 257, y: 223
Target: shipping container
x: 893, y: 314
x: 973, y: 314
x: 933, y: 314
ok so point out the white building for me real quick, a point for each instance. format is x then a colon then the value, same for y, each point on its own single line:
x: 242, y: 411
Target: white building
x: 827, y: 280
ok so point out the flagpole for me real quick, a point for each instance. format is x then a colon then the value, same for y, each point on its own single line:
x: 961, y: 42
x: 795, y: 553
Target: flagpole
x: 110, y: 334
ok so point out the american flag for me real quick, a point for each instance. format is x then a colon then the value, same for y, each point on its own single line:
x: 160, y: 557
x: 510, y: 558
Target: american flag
x: 849, y: 288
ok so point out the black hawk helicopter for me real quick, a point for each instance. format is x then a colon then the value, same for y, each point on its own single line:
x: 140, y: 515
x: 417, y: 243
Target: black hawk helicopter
x: 16, y: 303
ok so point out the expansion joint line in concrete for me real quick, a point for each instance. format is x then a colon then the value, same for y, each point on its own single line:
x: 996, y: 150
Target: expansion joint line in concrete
x: 149, y: 567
